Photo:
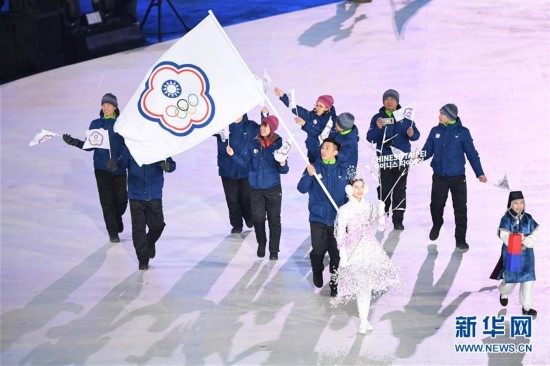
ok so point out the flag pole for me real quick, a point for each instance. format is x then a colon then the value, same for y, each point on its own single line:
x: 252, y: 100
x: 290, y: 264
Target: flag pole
x: 291, y: 136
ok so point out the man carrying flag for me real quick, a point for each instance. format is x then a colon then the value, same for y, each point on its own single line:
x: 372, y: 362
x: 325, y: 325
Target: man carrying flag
x: 107, y: 145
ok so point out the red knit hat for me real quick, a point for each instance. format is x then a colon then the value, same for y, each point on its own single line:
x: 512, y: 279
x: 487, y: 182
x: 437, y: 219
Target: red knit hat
x: 272, y: 122
x: 327, y: 100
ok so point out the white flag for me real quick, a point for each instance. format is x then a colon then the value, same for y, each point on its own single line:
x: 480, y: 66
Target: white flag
x: 291, y: 99
x: 326, y: 131
x: 97, y: 139
x: 196, y: 88
x: 407, y: 112
x: 503, y: 183
x: 42, y: 137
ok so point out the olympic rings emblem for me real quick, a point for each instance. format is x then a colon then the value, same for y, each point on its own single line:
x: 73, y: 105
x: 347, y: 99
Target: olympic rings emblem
x: 183, y: 107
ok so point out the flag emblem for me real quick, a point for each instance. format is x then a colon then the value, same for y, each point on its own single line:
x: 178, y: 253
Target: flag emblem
x: 177, y: 97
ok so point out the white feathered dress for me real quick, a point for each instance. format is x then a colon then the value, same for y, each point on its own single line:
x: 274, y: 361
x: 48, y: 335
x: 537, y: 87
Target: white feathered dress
x: 364, y: 265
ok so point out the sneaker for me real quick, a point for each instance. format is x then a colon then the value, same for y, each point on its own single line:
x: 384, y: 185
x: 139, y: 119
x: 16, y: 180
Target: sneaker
x: 531, y: 312
x: 503, y: 301
x: 318, y: 280
x: 261, y: 251
x: 434, y: 233
x: 236, y: 230
x: 273, y: 256
x: 462, y: 246
x: 143, y: 266
x: 152, y: 251
x: 114, y: 238
x: 398, y: 226
x: 249, y: 224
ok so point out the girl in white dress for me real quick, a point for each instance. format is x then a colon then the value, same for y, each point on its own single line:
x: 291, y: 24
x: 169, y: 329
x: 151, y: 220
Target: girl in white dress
x: 365, y: 269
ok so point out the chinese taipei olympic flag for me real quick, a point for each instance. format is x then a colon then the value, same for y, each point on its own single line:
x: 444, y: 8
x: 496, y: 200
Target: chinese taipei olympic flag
x: 199, y: 86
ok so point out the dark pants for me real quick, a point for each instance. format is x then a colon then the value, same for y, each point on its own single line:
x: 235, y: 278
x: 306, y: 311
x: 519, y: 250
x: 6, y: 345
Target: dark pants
x: 267, y: 201
x: 397, y: 200
x: 237, y: 195
x: 113, y: 197
x: 146, y: 214
x: 440, y: 191
x: 323, y: 241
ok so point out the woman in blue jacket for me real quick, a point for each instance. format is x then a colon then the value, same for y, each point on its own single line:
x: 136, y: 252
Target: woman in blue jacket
x: 264, y: 177
x: 313, y: 122
x: 111, y: 185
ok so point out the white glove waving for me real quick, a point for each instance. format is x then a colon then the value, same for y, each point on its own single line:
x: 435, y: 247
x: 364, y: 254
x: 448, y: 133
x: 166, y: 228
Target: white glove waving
x: 281, y: 154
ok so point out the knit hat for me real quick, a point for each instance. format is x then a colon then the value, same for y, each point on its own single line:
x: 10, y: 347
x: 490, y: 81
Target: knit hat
x: 109, y: 98
x: 450, y: 110
x: 272, y: 122
x: 345, y: 121
x: 514, y: 195
x: 326, y: 100
x: 391, y: 93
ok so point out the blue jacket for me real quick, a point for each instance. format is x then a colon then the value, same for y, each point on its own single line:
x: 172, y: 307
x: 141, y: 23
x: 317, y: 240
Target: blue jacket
x: 335, y: 178
x: 448, y: 145
x: 314, y: 126
x: 264, y: 171
x: 399, y: 129
x: 101, y: 156
x: 526, y: 226
x: 240, y: 136
x: 349, y: 147
x: 145, y: 182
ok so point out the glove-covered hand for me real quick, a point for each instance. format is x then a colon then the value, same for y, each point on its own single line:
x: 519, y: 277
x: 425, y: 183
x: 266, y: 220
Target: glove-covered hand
x: 281, y: 154
x: 70, y: 140
x: 528, y: 241
x: 111, y: 165
x: 166, y: 166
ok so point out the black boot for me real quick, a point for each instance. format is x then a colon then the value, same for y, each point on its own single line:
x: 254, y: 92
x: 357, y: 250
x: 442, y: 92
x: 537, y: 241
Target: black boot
x: 333, y: 286
x: 261, y: 251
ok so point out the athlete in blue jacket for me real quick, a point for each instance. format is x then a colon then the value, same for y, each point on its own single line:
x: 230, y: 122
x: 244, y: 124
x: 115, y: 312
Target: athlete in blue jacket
x: 313, y: 121
x: 234, y: 176
x: 322, y: 212
x: 264, y: 177
x: 111, y: 185
x: 392, y: 174
x: 145, y: 184
x: 447, y: 145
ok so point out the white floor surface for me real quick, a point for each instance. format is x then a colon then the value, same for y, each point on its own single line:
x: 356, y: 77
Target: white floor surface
x: 70, y: 297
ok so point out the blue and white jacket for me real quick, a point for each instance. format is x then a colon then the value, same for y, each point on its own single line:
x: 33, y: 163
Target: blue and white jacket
x: 448, y: 144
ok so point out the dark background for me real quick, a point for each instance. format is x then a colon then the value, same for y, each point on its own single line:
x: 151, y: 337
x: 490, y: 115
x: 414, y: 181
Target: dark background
x: 39, y: 35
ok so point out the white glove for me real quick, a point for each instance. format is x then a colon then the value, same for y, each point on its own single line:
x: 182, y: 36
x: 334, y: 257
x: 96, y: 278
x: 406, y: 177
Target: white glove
x: 224, y: 134
x: 281, y: 154
x: 530, y: 240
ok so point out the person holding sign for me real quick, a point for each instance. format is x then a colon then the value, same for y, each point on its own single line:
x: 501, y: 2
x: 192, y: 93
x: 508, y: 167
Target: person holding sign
x: 111, y: 185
